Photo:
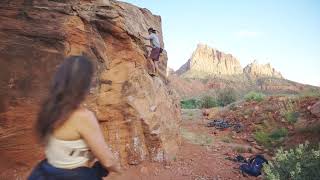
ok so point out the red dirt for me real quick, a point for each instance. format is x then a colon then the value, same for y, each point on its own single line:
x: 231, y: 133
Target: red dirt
x: 202, y: 162
x: 194, y: 162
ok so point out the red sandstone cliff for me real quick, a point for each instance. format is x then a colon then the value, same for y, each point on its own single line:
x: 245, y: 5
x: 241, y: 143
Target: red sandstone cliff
x: 139, y: 115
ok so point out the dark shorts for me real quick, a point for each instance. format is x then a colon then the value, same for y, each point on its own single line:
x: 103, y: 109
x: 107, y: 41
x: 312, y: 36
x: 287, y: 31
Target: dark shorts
x: 45, y: 171
x: 155, y: 54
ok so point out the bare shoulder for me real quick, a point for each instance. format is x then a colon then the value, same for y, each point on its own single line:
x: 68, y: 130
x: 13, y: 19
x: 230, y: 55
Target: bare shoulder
x: 84, y: 117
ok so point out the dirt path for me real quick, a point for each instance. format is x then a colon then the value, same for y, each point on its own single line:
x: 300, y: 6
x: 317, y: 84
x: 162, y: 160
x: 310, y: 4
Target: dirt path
x: 202, y: 155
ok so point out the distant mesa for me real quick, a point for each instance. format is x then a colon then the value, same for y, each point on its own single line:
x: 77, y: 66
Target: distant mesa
x: 206, y: 61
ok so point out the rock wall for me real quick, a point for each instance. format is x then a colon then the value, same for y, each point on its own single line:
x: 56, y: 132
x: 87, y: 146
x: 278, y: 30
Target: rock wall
x: 210, y: 61
x: 255, y: 70
x: 139, y: 115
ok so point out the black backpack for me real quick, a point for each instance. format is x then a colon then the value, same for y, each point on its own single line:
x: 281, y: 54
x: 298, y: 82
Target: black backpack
x: 254, y: 166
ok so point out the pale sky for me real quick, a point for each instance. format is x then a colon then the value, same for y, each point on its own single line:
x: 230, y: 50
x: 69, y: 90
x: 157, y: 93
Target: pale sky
x: 285, y: 33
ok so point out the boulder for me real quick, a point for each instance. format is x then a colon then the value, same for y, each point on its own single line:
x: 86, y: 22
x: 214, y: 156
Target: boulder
x: 139, y: 114
x: 315, y: 109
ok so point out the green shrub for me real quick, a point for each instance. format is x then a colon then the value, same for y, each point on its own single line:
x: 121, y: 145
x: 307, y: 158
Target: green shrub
x: 278, y: 134
x: 190, y: 104
x: 254, y: 96
x: 226, y: 97
x: 269, y: 139
x: 262, y: 138
x: 291, y: 117
x: 208, y: 102
x: 301, y: 163
x: 174, y: 158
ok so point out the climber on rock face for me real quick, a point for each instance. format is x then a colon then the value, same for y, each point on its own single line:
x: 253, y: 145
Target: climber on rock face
x: 156, y: 49
x: 74, y: 145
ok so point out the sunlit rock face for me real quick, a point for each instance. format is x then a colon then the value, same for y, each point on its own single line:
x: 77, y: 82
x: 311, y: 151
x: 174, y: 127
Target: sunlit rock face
x: 208, y: 61
x: 139, y: 114
x: 255, y: 70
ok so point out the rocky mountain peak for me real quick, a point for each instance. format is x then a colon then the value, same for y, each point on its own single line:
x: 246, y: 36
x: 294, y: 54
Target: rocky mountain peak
x: 208, y: 61
x: 255, y: 70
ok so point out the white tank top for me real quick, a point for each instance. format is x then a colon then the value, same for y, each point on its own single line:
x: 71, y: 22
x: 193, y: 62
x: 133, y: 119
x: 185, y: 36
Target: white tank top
x: 67, y: 154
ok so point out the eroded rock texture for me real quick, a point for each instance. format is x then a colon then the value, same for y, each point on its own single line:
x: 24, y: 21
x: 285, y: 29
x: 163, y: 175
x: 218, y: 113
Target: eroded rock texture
x: 315, y: 109
x: 210, y: 69
x: 255, y: 70
x: 208, y: 61
x: 139, y: 114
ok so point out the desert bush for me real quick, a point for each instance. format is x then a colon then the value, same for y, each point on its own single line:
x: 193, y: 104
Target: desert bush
x: 278, y: 134
x: 300, y: 163
x: 208, y: 102
x: 254, y: 96
x: 226, y: 97
x: 269, y: 139
x: 291, y: 116
x: 262, y: 137
x: 190, y: 104
x: 232, y: 107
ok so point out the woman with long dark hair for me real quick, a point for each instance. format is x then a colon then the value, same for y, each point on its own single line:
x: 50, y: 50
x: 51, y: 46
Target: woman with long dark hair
x: 69, y: 132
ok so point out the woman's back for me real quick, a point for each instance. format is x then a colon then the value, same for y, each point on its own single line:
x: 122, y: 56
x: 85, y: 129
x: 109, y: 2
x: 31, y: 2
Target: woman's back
x: 68, y: 131
x: 71, y: 134
x: 65, y: 147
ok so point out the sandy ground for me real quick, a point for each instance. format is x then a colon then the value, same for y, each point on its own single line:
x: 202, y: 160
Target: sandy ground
x: 202, y: 156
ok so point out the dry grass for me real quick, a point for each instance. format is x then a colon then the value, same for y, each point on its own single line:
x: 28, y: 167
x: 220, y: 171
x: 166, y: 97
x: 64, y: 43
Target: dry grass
x: 201, y: 139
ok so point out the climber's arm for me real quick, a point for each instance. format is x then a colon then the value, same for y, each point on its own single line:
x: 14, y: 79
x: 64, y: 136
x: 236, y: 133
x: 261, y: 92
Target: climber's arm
x: 146, y: 38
